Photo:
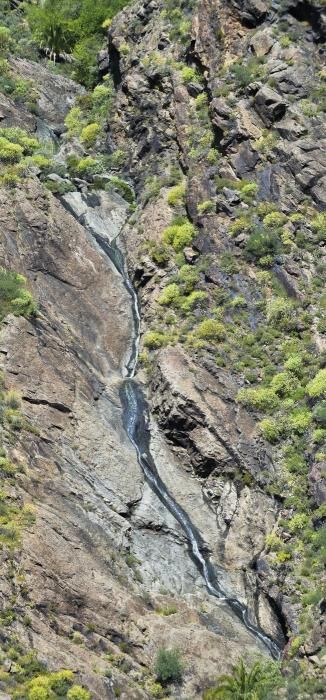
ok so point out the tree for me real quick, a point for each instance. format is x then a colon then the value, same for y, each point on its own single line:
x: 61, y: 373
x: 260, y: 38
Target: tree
x: 257, y: 683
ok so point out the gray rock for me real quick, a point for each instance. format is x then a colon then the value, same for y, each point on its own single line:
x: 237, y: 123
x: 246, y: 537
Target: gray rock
x: 190, y: 255
x: 103, y: 61
x: 317, y: 482
x: 269, y: 105
x: 252, y: 12
x: 54, y: 177
x: 290, y: 129
x: 319, y: 193
x: 262, y: 42
x: 195, y: 89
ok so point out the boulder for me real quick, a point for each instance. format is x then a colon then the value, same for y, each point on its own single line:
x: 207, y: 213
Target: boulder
x: 262, y: 42
x: 252, y: 12
x: 269, y: 105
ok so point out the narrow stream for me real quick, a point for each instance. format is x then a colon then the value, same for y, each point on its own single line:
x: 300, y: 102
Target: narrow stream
x: 136, y: 422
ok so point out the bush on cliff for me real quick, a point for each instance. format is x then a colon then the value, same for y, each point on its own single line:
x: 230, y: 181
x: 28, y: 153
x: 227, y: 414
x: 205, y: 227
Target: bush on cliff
x: 262, y: 242
x: 168, y: 666
x: 179, y: 235
x: 14, y: 297
x: 60, y: 28
x: 210, y: 330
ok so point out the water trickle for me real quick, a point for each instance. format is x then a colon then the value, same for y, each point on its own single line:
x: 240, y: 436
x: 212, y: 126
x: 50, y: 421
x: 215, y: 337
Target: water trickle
x: 136, y: 424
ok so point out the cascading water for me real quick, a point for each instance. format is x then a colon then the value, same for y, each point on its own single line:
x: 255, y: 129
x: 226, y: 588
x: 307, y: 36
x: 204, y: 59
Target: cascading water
x: 136, y: 420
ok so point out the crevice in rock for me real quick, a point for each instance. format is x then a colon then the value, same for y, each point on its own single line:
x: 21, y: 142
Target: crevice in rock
x: 43, y: 402
x: 278, y: 612
x: 114, y: 64
x: 304, y: 11
x: 57, y: 277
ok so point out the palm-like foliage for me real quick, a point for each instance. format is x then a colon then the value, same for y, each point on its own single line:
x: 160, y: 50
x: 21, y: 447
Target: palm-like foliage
x: 257, y: 683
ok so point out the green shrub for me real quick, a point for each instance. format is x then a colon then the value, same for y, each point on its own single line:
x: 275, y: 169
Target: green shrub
x: 87, y: 167
x: 160, y: 253
x: 319, y: 436
x: 298, y: 522
x: 318, y: 224
x: 262, y: 242
x: 273, y: 542
x: 24, y: 304
x: 228, y: 264
x: 168, y: 666
x: 176, y: 196
x: 313, y: 597
x: 179, y: 235
x: 85, y: 51
x: 295, y: 644
x: 168, y: 610
x: 74, y: 121
x: 118, y: 158
x: 270, y: 429
x: 280, y: 312
x: 246, y: 73
x: 238, y: 302
x: 101, y: 99
x: 40, y: 688
x: 78, y: 693
x: 194, y: 299
x: 248, y: 192
x: 299, y: 420
x: 10, y: 152
x: 294, y: 363
x: 320, y: 413
x: 14, y: 298
x: 283, y: 556
x: 12, y: 399
x: 90, y: 133
x: 294, y: 462
x: 9, y: 180
x: 210, y: 330
x: 243, y: 223
x: 5, y: 39
x: 206, y: 206
x: 189, y: 74
x: 155, y: 339
x: 155, y: 690
x: 188, y: 276
x: 39, y: 161
x: 274, y: 220
x: 61, y: 681
x: 123, y: 188
x: 201, y: 102
x: 262, y: 398
x: 169, y: 295
x: 285, y: 41
x: 18, y: 136
x: 40, y: 693
x: 283, y: 384
x: 317, y: 386
x: 58, y: 187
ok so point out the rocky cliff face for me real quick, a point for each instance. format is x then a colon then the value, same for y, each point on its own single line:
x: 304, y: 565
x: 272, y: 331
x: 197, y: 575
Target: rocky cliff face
x: 220, y: 115
x: 215, y: 111
x: 104, y: 563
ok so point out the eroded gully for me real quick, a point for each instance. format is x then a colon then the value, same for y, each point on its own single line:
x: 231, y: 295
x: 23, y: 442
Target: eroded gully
x: 136, y: 424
